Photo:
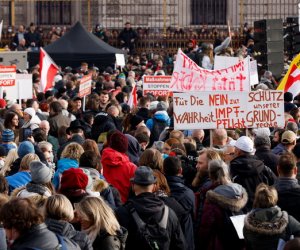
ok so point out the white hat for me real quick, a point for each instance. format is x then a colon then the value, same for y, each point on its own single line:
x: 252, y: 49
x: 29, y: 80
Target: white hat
x: 153, y: 105
x: 261, y: 132
x: 245, y: 144
x: 30, y: 111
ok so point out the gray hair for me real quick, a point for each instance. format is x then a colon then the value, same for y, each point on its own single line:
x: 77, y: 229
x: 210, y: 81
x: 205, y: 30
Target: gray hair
x: 219, y: 172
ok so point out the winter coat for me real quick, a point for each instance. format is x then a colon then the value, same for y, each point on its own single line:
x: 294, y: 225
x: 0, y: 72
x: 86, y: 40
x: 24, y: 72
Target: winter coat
x: 56, y: 122
x: 161, y: 116
x: 150, y: 208
x: 33, y: 123
x: 249, y: 171
x: 75, y: 138
x: 63, y: 165
x: 127, y: 35
x: 288, y: 191
x: 66, y: 230
x: 117, y: 170
x: 216, y: 231
x: 40, y: 237
x: 264, y: 227
x: 143, y: 112
x: 111, y: 242
x: 186, y: 199
x: 102, y: 124
x: 18, y: 180
x: 279, y: 149
x: 270, y: 159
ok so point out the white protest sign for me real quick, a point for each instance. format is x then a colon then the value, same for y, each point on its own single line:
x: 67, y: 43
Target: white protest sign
x: 85, y: 87
x: 253, y: 73
x: 188, y: 76
x: 7, y: 76
x: 222, y: 62
x: 156, y: 85
x: 210, y: 110
x: 22, y: 89
x: 238, y: 223
x: 120, y: 60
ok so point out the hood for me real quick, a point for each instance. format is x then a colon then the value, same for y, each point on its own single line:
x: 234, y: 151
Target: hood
x: 267, y: 221
x: 246, y: 165
x: 61, y: 227
x: 161, y: 115
x: 134, y: 149
x: 148, y: 206
x: 231, y: 196
x: 66, y: 163
x: 111, y: 157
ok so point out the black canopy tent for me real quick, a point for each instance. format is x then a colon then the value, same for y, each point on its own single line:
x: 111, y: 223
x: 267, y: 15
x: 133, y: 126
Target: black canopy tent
x: 77, y: 46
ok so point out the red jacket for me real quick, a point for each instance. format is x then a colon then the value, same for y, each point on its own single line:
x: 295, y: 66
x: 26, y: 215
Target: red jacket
x: 117, y: 170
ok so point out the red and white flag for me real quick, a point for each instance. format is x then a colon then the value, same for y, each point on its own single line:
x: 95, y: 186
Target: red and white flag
x: 48, y: 70
x: 132, y: 102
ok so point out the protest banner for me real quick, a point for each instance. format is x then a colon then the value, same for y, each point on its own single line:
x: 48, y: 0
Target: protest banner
x: 156, y: 85
x: 222, y: 62
x: 22, y: 89
x: 188, y: 76
x: 7, y: 76
x: 85, y: 86
x: 210, y: 110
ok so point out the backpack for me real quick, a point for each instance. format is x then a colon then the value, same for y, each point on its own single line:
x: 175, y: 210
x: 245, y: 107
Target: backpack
x: 152, y: 236
x: 158, y: 127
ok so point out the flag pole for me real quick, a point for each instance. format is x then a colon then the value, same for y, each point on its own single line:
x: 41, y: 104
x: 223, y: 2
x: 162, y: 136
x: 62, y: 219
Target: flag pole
x: 83, y: 104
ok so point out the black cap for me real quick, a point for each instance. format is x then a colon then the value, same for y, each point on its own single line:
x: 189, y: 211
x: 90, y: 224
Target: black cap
x: 76, y: 124
x: 143, y: 176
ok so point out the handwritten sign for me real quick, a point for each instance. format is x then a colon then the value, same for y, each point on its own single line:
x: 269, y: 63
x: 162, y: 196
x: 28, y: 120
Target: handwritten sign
x: 85, y: 86
x: 210, y: 110
x: 7, y: 76
x: 156, y: 85
x: 188, y: 76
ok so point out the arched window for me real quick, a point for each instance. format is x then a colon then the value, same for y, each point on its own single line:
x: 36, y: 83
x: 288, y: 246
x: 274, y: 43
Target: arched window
x: 209, y: 11
x: 53, y: 12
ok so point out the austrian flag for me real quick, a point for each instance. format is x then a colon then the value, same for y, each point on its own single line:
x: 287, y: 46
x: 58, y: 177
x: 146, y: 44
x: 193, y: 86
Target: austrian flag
x: 48, y: 70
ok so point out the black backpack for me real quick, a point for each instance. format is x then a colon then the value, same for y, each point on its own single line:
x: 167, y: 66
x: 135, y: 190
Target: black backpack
x: 158, y: 127
x: 152, y: 236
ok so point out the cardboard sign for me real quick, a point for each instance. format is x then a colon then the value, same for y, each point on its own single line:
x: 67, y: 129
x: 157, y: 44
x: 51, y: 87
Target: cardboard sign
x: 7, y: 76
x: 120, y: 60
x: 22, y: 89
x: 156, y: 85
x: 210, y: 110
x: 188, y: 76
x: 222, y: 62
x: 85, y: 87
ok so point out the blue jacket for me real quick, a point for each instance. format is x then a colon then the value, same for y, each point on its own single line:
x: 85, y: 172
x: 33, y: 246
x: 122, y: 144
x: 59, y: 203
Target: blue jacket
x: 279, y: 149
x: 186, y: 198
x: 62, y: 165
x: 18, y: 180
x: 159, y: 115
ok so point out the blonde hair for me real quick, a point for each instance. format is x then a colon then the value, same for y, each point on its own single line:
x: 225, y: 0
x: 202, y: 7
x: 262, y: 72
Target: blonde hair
x: 72, y: 151
x: 98, y: 214
x: 44, y: 145
x: 265, y: 196
x: 27, y: 159
x: 58, y: 207
x: 10, y: 158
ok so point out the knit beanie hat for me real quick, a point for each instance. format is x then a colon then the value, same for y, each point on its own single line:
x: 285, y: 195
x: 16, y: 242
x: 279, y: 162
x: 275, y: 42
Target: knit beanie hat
x: 119, y: 142
x: 8, y: 135
x: 30, y: 111
x: 40, y: 173
x: 73, y: 179
x: 25, y: 148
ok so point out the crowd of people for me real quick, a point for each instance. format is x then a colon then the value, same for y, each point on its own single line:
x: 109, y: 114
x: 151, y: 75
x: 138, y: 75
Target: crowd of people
x: 104, y: 174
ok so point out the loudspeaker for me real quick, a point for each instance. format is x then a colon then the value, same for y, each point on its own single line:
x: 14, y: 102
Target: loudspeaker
x: 268, y: 36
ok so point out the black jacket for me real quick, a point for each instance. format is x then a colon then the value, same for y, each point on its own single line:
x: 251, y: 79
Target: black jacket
x: 111, y: 242
x: 150, y: 208
x: 270, y: 159
x: 249, y: 171
x: 289, y: 196
x: 126, y: 36
x: 41, y: 237
x: 66, y: 229
x: 186, y: 199
x: 143, y: 112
